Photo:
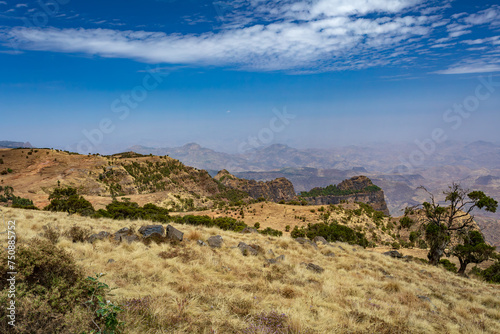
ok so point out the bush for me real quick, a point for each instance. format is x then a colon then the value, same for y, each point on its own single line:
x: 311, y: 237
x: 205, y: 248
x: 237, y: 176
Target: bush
x: 448, y: 265
x: 256, y: 225
x: 406, y: 222
x: 490, y: 274
x: 132, y: 211
x: 272, y: 232
x: 78, y: 234
x: 332, y: 232
x: 51, y: 290
x: 224, y: 223
x: 395, y: 245
x: 298, y: 232
x: 68, y: 200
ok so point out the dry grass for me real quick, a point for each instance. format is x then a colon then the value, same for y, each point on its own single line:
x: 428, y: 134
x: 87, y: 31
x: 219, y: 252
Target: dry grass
x: 186, y: 288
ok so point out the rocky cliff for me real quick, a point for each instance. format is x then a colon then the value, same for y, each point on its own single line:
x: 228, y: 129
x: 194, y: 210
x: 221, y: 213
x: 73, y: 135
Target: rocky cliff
x: 275, y: 190
x: 355, y: 189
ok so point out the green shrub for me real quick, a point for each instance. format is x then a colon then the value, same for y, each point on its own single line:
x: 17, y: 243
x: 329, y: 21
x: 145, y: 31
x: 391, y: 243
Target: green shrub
x: 395, y: 245
x: 490, y: 274
x: 298, y: 232
x: 287, y: 228
x: 272, y: 232
x: 68, y: 200
x: 224, y: 223
x: 406, y: 222
x: 450, y: 266
x: 332, y: 232
x: 256, y: 225
x: 50, y: 291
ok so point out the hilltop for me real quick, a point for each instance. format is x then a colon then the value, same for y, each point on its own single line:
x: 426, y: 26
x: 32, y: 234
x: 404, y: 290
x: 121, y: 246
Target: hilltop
x: 185, y: 287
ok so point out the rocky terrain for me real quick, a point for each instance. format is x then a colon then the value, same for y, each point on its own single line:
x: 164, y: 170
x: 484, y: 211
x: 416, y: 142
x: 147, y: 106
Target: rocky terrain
x: 276, y: 190
x: 359, y: 186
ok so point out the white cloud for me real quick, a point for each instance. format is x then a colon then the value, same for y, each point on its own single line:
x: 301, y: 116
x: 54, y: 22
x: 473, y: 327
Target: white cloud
x: 470, y: 69
x: 299, y: 36
x: 485, y: 16
x: 19, y: 5
x: 333, y: 39
x: 3, y: 3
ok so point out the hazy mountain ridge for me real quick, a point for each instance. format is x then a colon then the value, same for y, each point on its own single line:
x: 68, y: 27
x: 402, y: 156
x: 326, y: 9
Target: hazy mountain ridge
x: 475, y: 165
x: 14, y: 144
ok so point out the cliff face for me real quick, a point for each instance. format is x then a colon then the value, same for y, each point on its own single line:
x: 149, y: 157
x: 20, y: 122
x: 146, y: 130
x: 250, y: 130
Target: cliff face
x: 359, y: 185
x: 276, y: 190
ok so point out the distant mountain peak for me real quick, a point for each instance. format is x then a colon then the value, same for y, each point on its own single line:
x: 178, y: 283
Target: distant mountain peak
x: 192, y: 146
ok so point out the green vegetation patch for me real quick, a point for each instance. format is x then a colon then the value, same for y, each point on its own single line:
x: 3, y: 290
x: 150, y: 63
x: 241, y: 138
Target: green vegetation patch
x: 333, y: 190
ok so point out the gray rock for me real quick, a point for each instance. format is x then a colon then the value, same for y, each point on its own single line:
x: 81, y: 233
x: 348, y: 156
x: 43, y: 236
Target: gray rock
x: 174, y: 234
x: 270, y: 252
x: 156, y: 237
x: 124, y: 230
x: 276, y: 259
x: 319, y: 239
x: 331, y: 254
x: 280, y: 258
x: 427, y: 299
x: 111, y: 261
x: 146, y: 231
x: 122, y: 233
x: 304, y: 241
x: 201, y: 243
x: 129, y: 238
x: 99, y: 236
x: 246, y: 249
x: 215, y: 241
x: 313, y: 267
x: 394, y: 254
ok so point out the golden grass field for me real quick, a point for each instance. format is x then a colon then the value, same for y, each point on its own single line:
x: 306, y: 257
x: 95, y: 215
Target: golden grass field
x: 187, y: 288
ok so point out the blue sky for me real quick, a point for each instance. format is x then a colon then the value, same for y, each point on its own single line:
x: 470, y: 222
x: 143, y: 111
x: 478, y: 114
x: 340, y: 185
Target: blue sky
x: 104, y: 75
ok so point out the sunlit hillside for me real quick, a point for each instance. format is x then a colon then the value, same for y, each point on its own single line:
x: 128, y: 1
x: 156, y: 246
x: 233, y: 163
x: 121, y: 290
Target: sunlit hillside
x: 189, y: 288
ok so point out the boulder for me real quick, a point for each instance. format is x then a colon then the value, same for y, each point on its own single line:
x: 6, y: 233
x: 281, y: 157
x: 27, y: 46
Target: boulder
x: 276, y: 259
x: 99, y: 236
x: 394, y: 253
x: 304, y: 241
x: 319, y: 239
x: 215, y: 241
x: 146, y: 231
x: 249, y: 230
x: 122, y: 233
x: 129, y: 238
x: 156, y: 237
x: 246, y: 249
x: 174, y: 234
x: 313, y: 267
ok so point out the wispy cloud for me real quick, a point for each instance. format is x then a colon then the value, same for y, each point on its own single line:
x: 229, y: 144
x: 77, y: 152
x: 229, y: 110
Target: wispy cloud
x: 299, y: 36
x: 473, y: 68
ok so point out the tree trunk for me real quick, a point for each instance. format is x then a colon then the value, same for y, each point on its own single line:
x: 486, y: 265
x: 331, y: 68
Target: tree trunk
x: 436, y: 252
x: 463, y: 266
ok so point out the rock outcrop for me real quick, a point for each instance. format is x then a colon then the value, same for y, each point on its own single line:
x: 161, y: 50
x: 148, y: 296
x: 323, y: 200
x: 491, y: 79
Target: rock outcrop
x: 276, y: 190
x: 362, y: 190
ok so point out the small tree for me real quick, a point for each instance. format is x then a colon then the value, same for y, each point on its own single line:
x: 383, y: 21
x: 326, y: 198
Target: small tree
x: 440, y: 222
x: 68, y: 200
x: 473, y: 249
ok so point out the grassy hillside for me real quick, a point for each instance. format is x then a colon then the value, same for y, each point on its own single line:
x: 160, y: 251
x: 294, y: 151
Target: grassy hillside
x: 187, y: 288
